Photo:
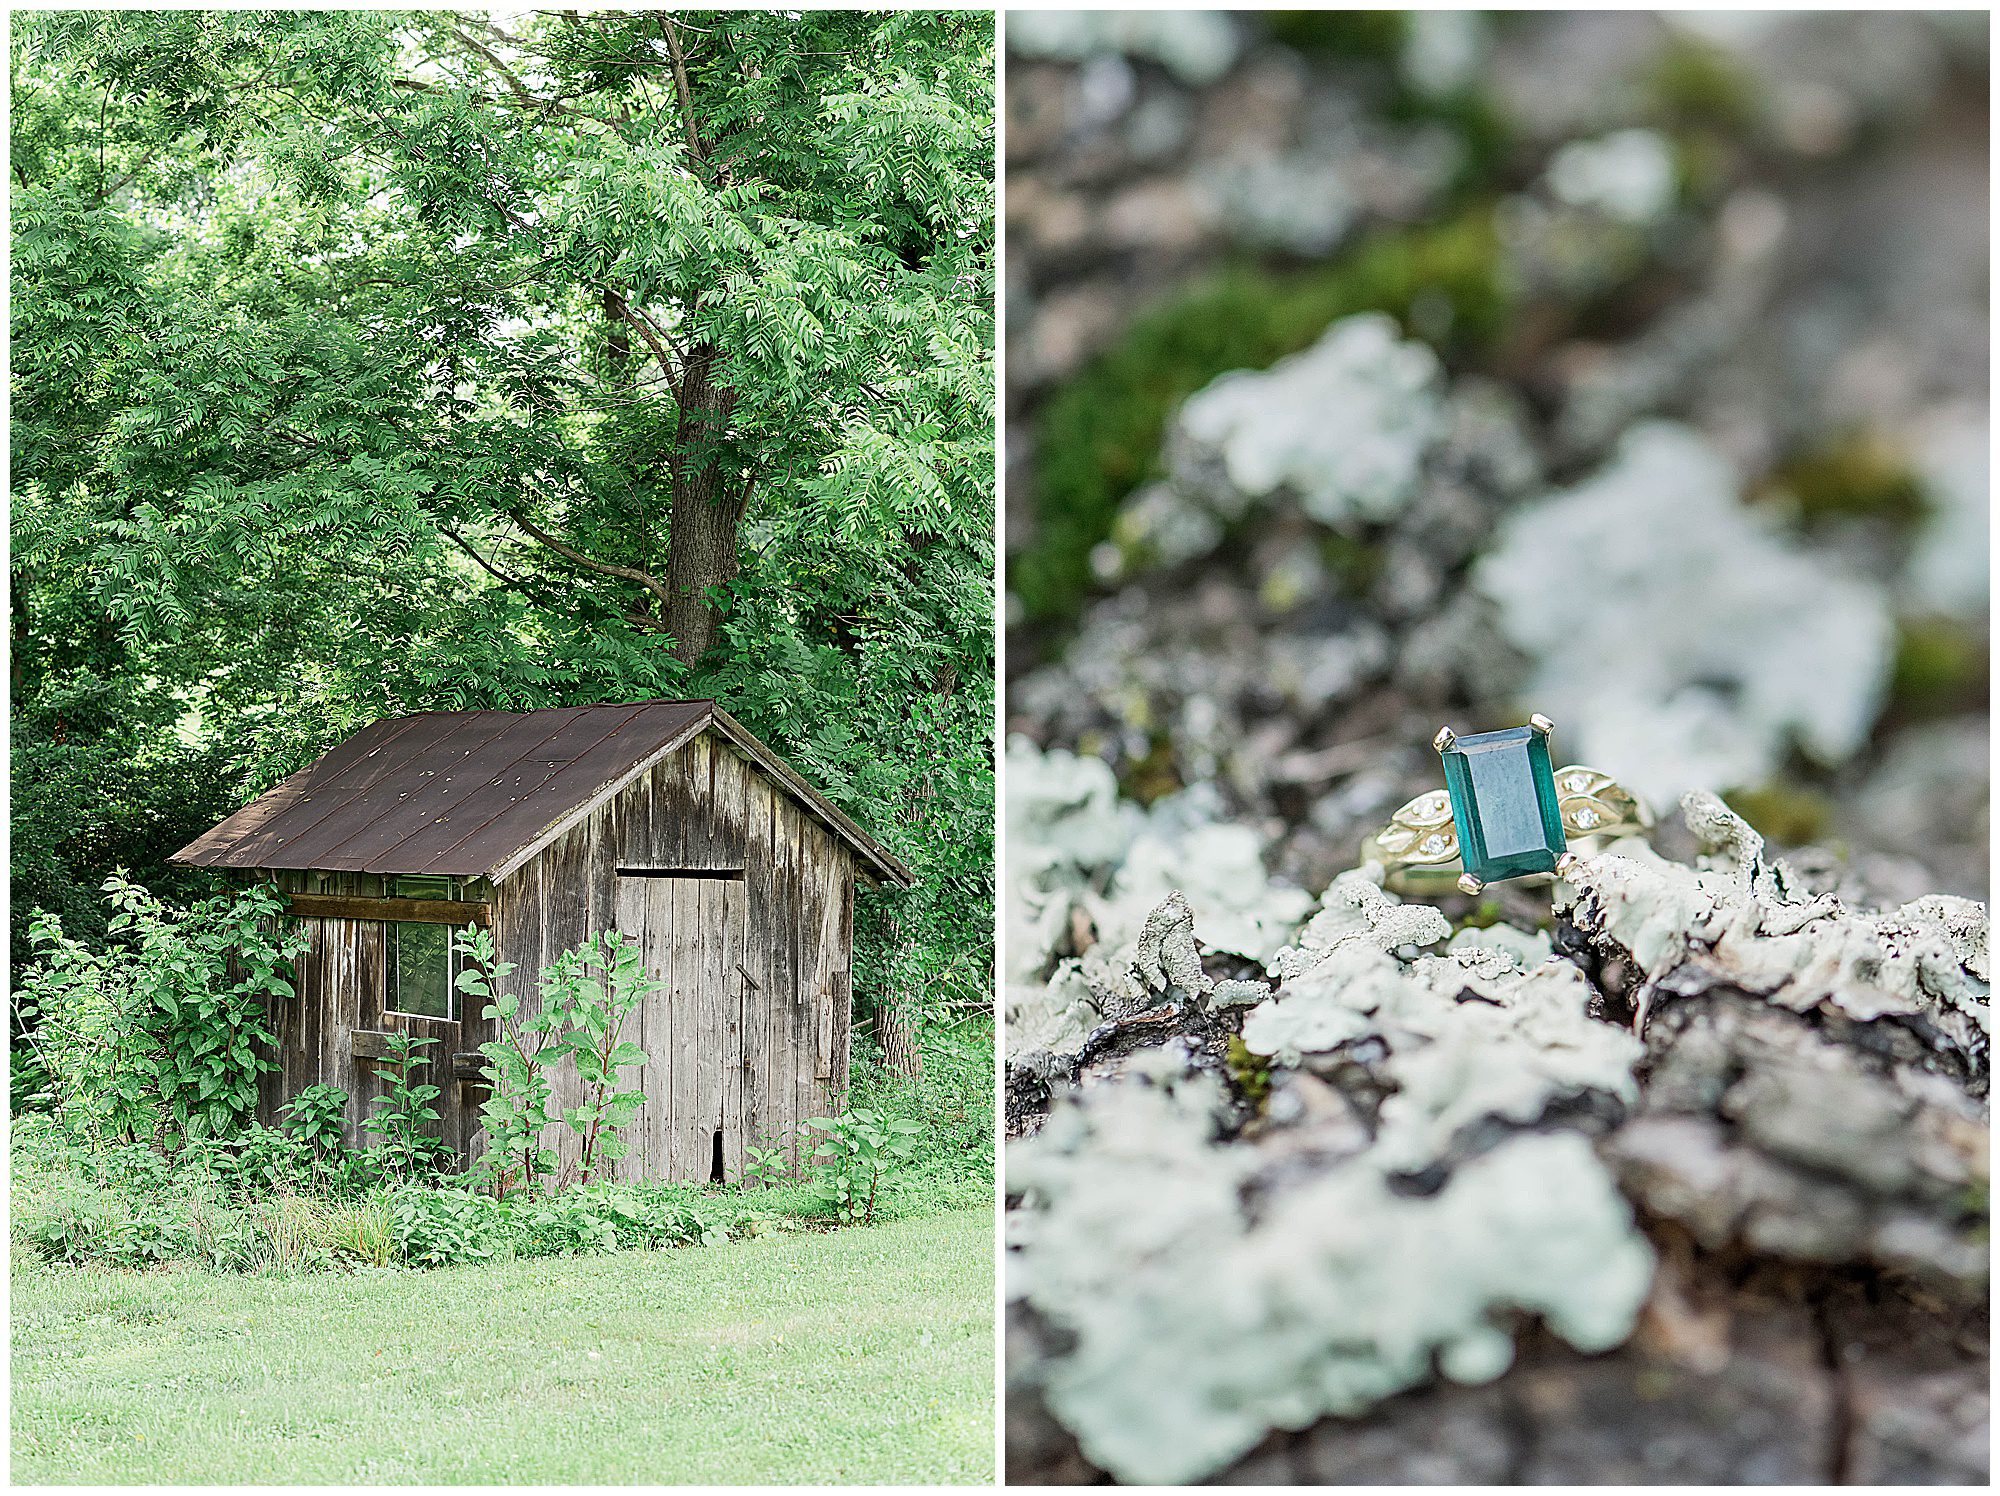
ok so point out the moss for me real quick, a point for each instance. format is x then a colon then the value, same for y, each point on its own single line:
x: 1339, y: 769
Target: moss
x: 1150, y: 778
x: 1789, y: 814
x: 1695, y: 85
x: 1942, y: 667
x: 1373, y: 35
x: 1100, y: 437
x: 1856, y: 475
x: 1484, y: 916
x: 1355, y: 564
x: 1249, y: 1070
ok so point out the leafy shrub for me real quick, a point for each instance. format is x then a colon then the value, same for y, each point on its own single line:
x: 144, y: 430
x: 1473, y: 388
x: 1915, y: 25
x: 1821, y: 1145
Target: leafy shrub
x: 156, y: 1037
x: 431, y: 1227
x: 767, y: 1165
x: 587, y: 996
x: 952, y: 1105
x: 263, y: 1161
x: 315, y: 1120
x: 129, y: 1207
x: 317, y: 1117
x: 856, y: 1150
x: 595, y: 989
x: 516, y: 1113
x: 404, y: 1121
x: 609, y: 1216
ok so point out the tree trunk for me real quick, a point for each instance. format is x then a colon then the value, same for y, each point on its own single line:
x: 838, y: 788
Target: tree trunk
x: 708, y: 503
x: 898, y: 1034
x: 895, y: 1024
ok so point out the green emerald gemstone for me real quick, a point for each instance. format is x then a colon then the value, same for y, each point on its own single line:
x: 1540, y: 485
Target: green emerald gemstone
x: 1503, y: 798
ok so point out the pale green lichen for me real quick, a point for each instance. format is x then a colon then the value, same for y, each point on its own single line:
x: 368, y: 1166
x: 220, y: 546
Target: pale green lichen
x: 1196, y: 46
x: 1201, y: 1321
x: 1628, y: 175
x: 1342, y: 429
x: 1219, y: 869
x: 1354, y: 909
x: 1344, y: 425
x: 1066, y: 830
x: 1199, y: 1325
x: 1494, y: 1027
x: 1740, y: 915
x: 1055, y: 1016
x: 1787, y: 648
x: 1090, y: 872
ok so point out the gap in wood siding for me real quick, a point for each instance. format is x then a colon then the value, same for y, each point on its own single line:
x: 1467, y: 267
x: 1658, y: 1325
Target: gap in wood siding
x: 733, y: 874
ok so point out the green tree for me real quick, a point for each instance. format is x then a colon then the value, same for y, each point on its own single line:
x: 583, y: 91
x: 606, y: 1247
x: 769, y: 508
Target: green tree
x: 368, y: 362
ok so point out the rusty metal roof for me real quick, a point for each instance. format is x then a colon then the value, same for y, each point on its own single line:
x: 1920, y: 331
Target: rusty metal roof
x: 476, y: 794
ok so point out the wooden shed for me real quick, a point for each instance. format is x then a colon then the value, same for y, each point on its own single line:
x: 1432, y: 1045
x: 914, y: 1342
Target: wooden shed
x: 665, y: 820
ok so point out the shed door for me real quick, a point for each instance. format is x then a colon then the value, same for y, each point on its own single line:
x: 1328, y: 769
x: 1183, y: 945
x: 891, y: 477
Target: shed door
x: 691, y: 933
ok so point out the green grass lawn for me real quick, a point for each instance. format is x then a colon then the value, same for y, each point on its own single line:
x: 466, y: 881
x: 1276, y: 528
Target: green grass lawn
x: 863, y: 1355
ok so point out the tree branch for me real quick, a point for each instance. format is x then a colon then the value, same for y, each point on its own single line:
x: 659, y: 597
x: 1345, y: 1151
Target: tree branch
x: 681, y: 88
x: 506, y: 74
x: 103, y: 105
x: 645, y: 328
x: 528, y: 101
x: 514, y: 584
x: 607, y: 568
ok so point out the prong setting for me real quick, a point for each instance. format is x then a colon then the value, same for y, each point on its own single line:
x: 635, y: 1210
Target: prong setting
x: 1469, y: 884
x: 1568, y: 865
x: 1444, y: 739
x: 1541, y: 724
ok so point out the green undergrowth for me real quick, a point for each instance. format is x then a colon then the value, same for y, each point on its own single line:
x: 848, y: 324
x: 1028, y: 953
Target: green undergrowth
x: 1099, y: 437
x: 253, y: 1205
x: 129, y: 1207
x: 953, y: 1103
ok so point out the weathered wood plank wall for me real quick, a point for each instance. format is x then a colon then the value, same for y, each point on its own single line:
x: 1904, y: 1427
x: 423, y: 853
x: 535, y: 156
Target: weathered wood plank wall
x: 751, y: 1036
x: 756, y: 969
x: 342, y: 980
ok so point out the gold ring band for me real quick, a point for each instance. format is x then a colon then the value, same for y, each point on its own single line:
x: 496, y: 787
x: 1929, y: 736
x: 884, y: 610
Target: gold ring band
x: 1418, y: 849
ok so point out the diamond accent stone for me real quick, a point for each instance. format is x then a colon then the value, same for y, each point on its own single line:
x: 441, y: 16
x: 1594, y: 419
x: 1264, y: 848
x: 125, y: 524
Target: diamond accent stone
x: 1577, y: 782
x: 1586, y: 817
x: 1432, y: 845
x: 1429, y: 805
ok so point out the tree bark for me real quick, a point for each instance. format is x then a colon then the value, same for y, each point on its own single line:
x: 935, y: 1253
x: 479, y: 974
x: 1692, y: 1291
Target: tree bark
x: 898, y: 1035
x: 895, y: 1024
x: 706, y: 512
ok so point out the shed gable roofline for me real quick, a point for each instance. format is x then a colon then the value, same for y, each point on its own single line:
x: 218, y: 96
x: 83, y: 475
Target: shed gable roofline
x: 481, y: 793
x: 876, y: 859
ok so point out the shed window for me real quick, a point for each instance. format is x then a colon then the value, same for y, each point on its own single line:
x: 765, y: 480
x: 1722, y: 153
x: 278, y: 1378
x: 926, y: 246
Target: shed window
x: 423, y: 888
x: 420, y: 959
x: 420, y: 974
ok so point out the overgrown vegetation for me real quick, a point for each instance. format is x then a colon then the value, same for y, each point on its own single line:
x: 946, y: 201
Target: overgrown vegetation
x: 262, y: 1206
x: 1099, y: 437
x: 854, y: 1151
x: 404, y: 1121
x: 617, y: 356
x: 155, y: 1035
x: 127, y: 1172
x: 368, y: 363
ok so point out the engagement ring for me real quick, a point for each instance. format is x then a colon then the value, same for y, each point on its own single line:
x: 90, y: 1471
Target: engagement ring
x: 1503, y: 813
